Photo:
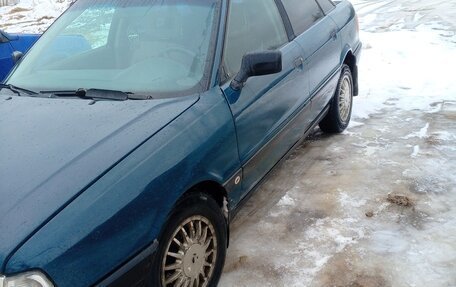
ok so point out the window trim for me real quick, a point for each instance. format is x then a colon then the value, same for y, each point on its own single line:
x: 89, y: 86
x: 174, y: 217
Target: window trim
x: 308, y: 28
x: 321, y: 8
x: 286, y: 20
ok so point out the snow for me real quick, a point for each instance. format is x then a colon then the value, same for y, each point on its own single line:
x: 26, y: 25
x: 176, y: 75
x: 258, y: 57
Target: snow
x: 416, y: 150
x: 286, y: 201
x: 31, y: 16
x: 422, y: 133
x: 415, y: 68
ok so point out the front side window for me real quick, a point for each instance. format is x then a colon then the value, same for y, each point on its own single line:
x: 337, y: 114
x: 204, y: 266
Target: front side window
x: 253, y: 25
x: 302, y: 13
x: 154, y: 47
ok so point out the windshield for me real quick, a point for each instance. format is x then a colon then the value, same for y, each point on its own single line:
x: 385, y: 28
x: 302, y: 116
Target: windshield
x: 135, y: 46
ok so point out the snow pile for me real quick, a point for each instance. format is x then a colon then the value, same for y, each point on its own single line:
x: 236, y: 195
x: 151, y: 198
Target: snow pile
x: 411, y: 70
x: 31, y: 16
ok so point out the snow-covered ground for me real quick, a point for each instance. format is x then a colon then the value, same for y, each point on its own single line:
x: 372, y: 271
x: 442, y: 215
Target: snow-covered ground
x: 409, y: 54
x: 31, y: 16
x: 375, y: 206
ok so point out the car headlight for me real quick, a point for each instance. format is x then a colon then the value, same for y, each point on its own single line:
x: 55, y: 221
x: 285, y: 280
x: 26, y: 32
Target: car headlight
x: 28, y: 279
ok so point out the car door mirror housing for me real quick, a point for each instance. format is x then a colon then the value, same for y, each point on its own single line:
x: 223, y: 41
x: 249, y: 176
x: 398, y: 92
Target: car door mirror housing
x: 257, y: 64
x: 16, y: 56
x: 3, y: 38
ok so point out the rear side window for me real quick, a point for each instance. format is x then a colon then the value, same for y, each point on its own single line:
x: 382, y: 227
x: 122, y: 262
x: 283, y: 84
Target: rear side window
x: 326, y: 5
x: 302, y: 13
x: 253, y: 25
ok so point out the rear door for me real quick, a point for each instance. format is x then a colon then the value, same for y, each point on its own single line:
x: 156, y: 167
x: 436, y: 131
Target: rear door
x: 317, y: 34
x: 6, y: 62
x: 267, y: 103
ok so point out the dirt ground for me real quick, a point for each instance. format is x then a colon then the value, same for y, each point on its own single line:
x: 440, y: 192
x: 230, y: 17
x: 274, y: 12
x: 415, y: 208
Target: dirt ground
x: 372, y: 207
x: 329, y: 215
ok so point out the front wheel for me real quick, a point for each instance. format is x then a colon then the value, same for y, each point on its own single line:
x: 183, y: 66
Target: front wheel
x: 340, y: 108
x: 193, y: 245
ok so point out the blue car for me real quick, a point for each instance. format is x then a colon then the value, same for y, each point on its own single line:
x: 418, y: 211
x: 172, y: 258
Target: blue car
x: 10, y: 43
x: 124, y: 160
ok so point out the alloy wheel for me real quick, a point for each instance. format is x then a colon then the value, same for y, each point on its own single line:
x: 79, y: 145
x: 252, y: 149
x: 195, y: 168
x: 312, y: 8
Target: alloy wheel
x: 190, y: 255
x: 345, y: 99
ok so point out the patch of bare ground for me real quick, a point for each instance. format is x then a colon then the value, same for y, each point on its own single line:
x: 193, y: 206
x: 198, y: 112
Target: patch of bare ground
x: 17, y: 17
x: 299, y: 220
x: 347, y: 270
x: 44, y: 18
x: 262, y: 269
x: 232, y: 266
x: 404, y: 210
x: 449, y: 110
x: 401, y: 200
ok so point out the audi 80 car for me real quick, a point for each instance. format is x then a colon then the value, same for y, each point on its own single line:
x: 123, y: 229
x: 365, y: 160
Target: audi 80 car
x: 123, y: 161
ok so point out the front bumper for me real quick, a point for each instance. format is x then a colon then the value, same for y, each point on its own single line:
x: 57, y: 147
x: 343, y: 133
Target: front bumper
x: 135, y: 272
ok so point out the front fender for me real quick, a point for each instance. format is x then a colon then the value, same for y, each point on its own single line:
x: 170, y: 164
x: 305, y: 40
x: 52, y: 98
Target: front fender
x: 123, y: 212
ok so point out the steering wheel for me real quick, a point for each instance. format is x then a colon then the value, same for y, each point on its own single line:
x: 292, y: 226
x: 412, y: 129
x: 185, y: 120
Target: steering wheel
x: 178, y: 54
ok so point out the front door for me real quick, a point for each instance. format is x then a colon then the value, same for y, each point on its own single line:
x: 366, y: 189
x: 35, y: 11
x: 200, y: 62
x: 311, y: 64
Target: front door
x: 267, y: 103
x: 322, y: 42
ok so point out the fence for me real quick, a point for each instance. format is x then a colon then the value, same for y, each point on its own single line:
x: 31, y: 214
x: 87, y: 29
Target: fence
x: 8, y: 2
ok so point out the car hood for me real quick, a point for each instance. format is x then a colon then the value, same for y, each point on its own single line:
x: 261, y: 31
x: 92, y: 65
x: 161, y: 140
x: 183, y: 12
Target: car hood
x: 17, y: 36
x: 52, y: 149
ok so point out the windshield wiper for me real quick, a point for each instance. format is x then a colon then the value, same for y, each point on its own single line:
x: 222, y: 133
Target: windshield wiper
x: 98, y: 94
x: 17, y: 90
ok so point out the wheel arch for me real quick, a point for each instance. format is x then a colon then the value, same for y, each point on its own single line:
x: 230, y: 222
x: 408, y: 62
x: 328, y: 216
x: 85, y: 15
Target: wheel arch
x: 350, y: 60
x: 211, y: 188
x: 216, y: 191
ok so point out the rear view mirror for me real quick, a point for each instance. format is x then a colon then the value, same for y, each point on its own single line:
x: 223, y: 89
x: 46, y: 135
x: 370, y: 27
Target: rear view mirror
x: 16, y: 56
x: 257, y: 64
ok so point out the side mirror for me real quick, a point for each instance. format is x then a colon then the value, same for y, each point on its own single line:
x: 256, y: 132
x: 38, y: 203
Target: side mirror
x: 3, y: 38
x: 16, y: 56
x: 257, y: 64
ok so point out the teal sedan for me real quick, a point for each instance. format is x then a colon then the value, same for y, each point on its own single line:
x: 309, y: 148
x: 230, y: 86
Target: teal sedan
x: 124, y: 160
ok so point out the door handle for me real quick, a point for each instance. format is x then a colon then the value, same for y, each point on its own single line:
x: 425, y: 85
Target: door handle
x: 333, y: 34
x: 298, y: 62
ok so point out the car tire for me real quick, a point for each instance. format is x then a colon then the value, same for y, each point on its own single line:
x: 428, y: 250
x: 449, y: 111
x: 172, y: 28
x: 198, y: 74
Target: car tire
x: 340, y: 107
x: 192, y: 246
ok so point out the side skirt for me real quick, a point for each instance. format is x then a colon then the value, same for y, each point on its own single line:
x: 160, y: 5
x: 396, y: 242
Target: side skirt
x: 235, y: 211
